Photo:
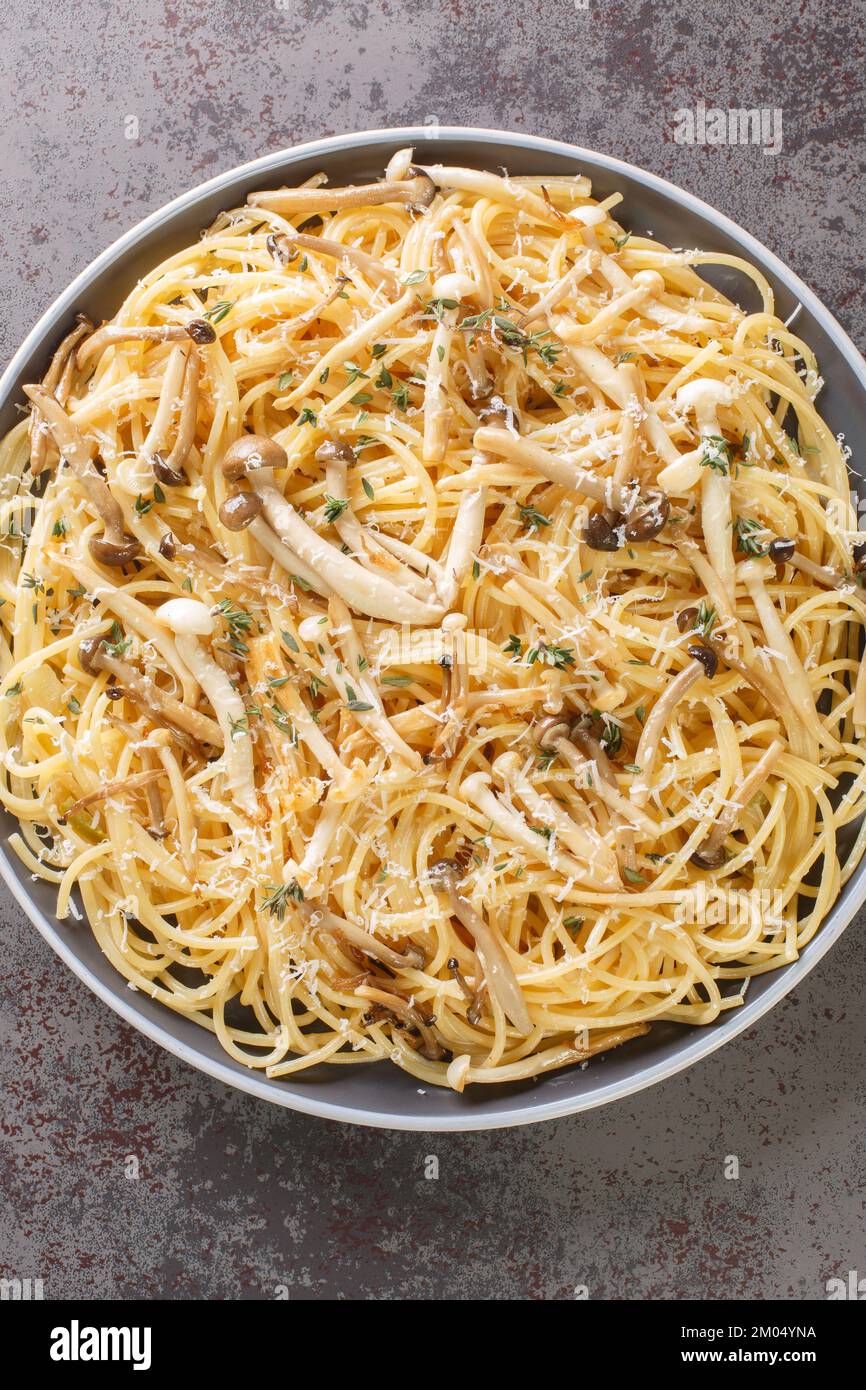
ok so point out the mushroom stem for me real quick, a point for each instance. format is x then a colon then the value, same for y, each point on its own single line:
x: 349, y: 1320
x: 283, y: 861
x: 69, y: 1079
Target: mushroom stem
x: 322, y: 919
x: 199, y: 330
x: 57, y: 380
x: 396, y: 1004
x: 454, y: 690
x: 170, y: 470
x: 163, y: 709
x: 498, y: 973
x: 189, y: 620
x: 645, y: 285
x: 559, y: 470
x: 476, y: 789
x: 286, y: 246
x: 123, y: 784
x: 365, y: 592
x: 703, y: 663
x: 711, y: 854
x: 417, y: 192
x: 584, y: 265
x: 114, y: 548
x: 785, y: 656
x: 584, y: 843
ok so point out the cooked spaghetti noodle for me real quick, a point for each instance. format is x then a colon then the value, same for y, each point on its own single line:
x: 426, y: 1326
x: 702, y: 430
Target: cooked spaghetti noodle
x: 431, y: 631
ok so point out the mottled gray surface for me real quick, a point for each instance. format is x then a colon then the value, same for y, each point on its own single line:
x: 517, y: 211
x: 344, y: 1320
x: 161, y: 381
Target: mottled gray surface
x: 234, y: 1199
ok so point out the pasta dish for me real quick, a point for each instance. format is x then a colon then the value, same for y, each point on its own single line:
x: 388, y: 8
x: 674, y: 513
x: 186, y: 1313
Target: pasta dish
x: 431, y: 628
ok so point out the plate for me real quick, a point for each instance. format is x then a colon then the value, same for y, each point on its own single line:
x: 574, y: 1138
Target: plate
x: 381, y: 1094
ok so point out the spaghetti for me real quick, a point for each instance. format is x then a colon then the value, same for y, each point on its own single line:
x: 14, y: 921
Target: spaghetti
x: 431, y: 631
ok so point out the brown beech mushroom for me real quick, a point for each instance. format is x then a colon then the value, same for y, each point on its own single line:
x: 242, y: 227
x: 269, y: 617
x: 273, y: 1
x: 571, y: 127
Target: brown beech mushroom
x: 320, y: 918
x: 783, y: 551
x: 195, y: 729
x: 410, y: 1014
x: 250, y: 452
x: 170, y: 469
x: 501, y: 980
x: 417, y: 191
x: 57, y: 380
x: 114, y: 548
x: 285, y: 247
x: 199, y: 330
x: 241, y: 508
x: 711, y: 854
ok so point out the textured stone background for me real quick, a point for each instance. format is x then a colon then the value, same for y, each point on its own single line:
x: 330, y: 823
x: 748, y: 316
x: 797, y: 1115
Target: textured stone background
x: 234, y: 1197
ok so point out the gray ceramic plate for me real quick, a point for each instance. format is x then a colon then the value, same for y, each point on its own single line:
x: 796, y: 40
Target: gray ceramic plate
x: 382, y: 1094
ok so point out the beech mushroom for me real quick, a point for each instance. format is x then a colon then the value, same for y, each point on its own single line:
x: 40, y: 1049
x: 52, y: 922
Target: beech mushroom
x: 577, y: 744
x: 501, y: 980
x: 321, y: 918
x: 711, y: 854
x: 454, y: 690
x: 285, y: 247
x: 646, y: 284
x: 410, y: 1014
x: 513, y: 826
x: 114, y: 548
x: 199, y: 330
x: 251, y: 452
x: 57, y: 380
x: 703, y: 662
x: 194, y: 729
x: 189, y: 620
x: 783, y: 551
x: 417, y: 191
x: 559, y: 470
x: 328, y: 570
x: 170, y: 469
x: 792, y: 672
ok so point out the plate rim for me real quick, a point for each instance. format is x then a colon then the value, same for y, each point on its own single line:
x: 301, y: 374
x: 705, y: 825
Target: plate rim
x: 705, y: 1041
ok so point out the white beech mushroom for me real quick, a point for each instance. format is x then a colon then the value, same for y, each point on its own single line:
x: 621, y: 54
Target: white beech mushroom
x: 711, y: 854
x: 189, y: 620
x: 286, y: 245
x: 360, y: 694
x: 500, y: 978
x: 558, y: 470
x: 703, y: 661
x: 417, y: 191
x: 583, y: 842
x: 199, y: 330
x: 114, y: 548
x: 57, y: 380
x: 646, y: 284
x: 476, y: 788
x: 785, y: 656
x: 705, y: 398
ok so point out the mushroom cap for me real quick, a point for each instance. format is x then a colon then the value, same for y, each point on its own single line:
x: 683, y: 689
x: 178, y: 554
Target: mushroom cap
x: 237, y: 511
x: 201, y: 331
x: 445, y: 872
x: 186, y: 617
x: 250, y: 452
x: 166, y: 475
x: 87, y: 653
x: 706, y: 656
x: 335, y: 449
x: 424, y: 190
x: 115, y: 554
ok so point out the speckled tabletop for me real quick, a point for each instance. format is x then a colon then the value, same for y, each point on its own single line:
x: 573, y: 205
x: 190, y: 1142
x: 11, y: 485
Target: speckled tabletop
x: 125, y: 1173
